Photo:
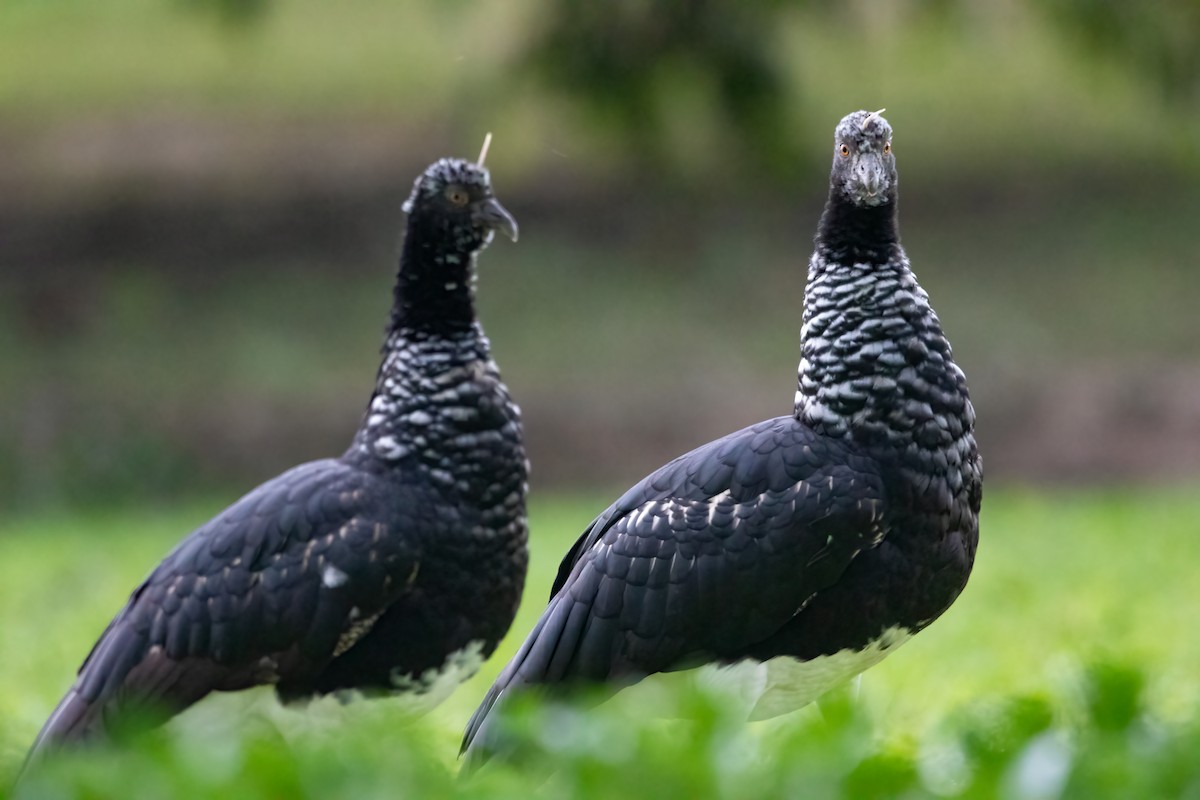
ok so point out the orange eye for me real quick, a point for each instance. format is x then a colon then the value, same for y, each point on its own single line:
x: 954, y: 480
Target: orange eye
x: 844, y: 150
x: 457, y: 195
x: 887, y: 148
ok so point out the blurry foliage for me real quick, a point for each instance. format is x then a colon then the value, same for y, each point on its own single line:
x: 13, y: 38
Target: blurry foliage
x: 1096, y: 741
x: 1009, y: 748
x: 1160, y: 40
x: 627, y: 62
x: 660, y: 74
x: 674, y: 81
x: 234, y: 14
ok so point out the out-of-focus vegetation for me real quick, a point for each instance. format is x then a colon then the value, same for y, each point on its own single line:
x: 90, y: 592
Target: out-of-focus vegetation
x: 990, y: 701
x: 1096, y: 739
x: 691, y: 88
x: 655, y: 73
x: 1159, y: 40
x: 659, y: 74
x: 200, y: 216
x: 694, y: 77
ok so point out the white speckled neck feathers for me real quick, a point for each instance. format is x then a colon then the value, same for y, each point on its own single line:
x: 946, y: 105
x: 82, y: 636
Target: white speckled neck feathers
x: 439, y: 403
x: 875, y: 366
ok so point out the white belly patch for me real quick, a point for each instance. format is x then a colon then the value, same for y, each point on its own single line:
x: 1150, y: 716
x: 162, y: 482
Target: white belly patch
x: 788, y: 684
x: 224, y: 712
x: 435, y: 685
x: 782, y: 685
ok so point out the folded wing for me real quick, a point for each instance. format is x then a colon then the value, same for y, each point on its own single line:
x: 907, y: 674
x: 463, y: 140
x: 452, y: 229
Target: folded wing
x: 709, y: 554
x: 263, y: 593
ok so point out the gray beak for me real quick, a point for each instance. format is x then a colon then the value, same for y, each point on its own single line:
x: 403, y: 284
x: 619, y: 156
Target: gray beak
x: 489, y: 212
x: 871, y: 175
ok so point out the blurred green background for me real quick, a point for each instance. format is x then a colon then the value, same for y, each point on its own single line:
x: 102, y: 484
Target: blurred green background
x: 199, y: 215
x: 200, y: 211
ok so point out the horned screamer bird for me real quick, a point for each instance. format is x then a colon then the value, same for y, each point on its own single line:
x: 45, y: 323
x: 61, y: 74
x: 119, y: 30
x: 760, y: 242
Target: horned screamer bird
x: 396, y: 567
x: 803, y: 549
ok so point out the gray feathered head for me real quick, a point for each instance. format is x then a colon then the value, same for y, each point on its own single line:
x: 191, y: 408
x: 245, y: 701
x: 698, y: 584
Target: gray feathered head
x: 864, y: 169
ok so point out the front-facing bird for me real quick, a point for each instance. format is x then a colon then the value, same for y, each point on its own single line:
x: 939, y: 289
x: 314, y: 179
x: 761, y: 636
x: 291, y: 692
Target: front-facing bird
x: 801, y: 550
x: 396, y: 567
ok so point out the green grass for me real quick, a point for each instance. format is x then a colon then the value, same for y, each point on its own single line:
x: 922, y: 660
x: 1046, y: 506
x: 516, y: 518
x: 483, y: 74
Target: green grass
x: 1063, y: 579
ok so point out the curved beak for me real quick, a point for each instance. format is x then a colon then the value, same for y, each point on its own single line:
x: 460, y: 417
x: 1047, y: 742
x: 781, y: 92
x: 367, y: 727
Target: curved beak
x: 489, y: 212
x: 870, y: 175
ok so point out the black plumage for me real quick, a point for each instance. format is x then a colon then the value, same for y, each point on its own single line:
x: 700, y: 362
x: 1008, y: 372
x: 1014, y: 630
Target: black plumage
x: 806, y: 547
x: 379, y: 570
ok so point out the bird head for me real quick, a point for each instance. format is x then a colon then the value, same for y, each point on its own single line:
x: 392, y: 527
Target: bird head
x: 864, y: 169
x: 453, y: 198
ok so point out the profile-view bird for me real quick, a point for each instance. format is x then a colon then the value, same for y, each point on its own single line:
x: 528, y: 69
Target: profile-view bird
x: 394, y: 568
x: 804, y: 549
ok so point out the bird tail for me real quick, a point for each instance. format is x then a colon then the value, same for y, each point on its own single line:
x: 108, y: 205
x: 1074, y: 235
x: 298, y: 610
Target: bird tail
x: 72, y: 720
x: 530, y: 666
x: 80, y: 714
x: 569, y: 644
x: 120, y: 678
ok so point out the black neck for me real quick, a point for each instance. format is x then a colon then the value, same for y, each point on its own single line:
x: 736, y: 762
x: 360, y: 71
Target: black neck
x: 434, y: 287
x: 853, y: 234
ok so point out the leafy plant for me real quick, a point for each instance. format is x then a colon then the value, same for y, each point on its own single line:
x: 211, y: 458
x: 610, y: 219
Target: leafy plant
x: 1095, y: 740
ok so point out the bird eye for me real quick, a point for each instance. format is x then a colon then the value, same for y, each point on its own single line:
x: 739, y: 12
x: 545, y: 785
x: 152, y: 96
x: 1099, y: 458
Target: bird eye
x: 457, y: 195
x: 844, y: 149
x: 887, y: 148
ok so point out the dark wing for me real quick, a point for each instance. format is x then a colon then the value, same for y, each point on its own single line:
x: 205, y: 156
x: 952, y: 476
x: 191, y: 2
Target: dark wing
x: 260, y: 594
x: 709, y: 554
